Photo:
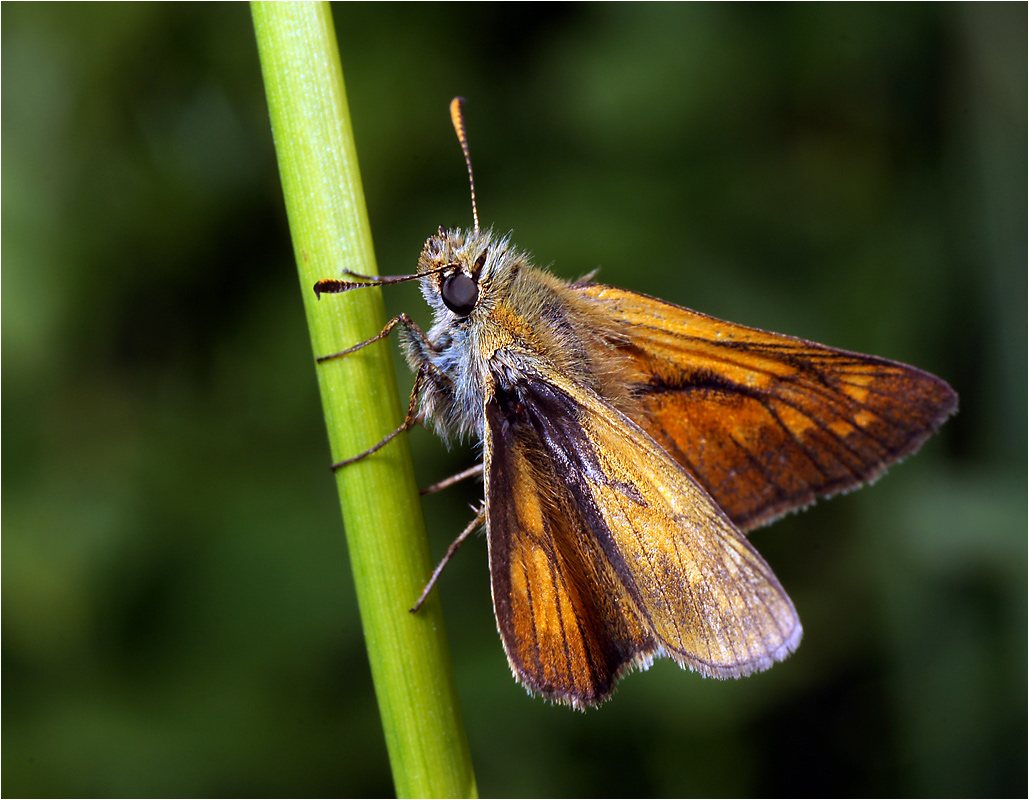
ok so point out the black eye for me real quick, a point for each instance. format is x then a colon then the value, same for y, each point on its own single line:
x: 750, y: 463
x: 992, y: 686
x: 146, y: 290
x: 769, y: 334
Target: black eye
x: 460, y: 294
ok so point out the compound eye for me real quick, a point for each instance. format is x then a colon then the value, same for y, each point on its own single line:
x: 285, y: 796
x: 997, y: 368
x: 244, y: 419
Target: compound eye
x: 460, y: 294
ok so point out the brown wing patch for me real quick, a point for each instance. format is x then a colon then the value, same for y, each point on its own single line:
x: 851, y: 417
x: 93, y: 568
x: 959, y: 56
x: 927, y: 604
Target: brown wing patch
x: 767, y: 422
x: 605, y: 553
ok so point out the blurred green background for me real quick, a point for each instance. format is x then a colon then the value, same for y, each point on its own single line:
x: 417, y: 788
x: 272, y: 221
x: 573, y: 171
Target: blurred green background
x: 178, y: 612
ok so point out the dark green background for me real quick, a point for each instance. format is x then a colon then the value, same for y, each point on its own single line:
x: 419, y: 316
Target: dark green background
x: 178, y: 614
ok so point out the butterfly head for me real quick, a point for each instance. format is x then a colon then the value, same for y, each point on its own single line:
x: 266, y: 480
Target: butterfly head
x: 464, y: 271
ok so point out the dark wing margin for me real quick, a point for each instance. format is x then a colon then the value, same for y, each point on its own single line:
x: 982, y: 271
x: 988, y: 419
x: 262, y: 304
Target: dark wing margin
x: 604, y: 553
x: 766, y: 423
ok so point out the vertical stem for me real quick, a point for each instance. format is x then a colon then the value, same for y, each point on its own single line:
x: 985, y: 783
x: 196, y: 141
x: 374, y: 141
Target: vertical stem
x: 328, y: 222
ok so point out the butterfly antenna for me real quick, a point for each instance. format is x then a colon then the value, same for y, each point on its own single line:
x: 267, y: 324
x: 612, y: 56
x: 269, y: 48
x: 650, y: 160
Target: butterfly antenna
x: 458, y: 119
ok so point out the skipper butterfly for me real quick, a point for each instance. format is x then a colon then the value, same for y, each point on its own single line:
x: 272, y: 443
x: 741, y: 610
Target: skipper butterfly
x: 628, y: 445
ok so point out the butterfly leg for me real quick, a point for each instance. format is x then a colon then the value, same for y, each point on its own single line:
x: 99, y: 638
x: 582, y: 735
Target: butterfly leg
x: 446, y: 483
x: 410, y: 419
x: 480, y: 518
x: 427, y: 367
x: 399, y: 319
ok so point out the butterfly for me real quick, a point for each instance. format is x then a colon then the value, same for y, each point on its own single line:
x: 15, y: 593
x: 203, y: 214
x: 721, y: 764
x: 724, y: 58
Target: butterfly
x: 628, y: 444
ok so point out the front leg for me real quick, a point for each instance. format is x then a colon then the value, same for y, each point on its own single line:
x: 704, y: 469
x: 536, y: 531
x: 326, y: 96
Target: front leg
x: 399, y: 319
x: 427, y: 371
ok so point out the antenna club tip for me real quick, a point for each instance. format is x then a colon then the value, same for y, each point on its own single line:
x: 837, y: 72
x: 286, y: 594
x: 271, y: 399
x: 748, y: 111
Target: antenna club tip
x: 457, y: 118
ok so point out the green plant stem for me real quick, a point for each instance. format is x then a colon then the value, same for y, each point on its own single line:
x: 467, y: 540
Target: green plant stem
x: 328, y: 221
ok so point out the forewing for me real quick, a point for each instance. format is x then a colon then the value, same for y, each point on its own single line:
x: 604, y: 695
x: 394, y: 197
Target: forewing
x: 766, y: 422
x: 605, y: 553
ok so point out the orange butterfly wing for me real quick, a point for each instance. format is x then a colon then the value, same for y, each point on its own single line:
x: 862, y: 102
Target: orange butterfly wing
x: 766, y: 422
x: 605, y: 553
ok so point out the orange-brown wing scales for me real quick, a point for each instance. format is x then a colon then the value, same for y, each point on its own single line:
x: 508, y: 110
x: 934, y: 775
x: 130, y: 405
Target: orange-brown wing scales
x: 566, y: 631
x: 708, y: 597
x: 613, y: 555
x: 767, y: 422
